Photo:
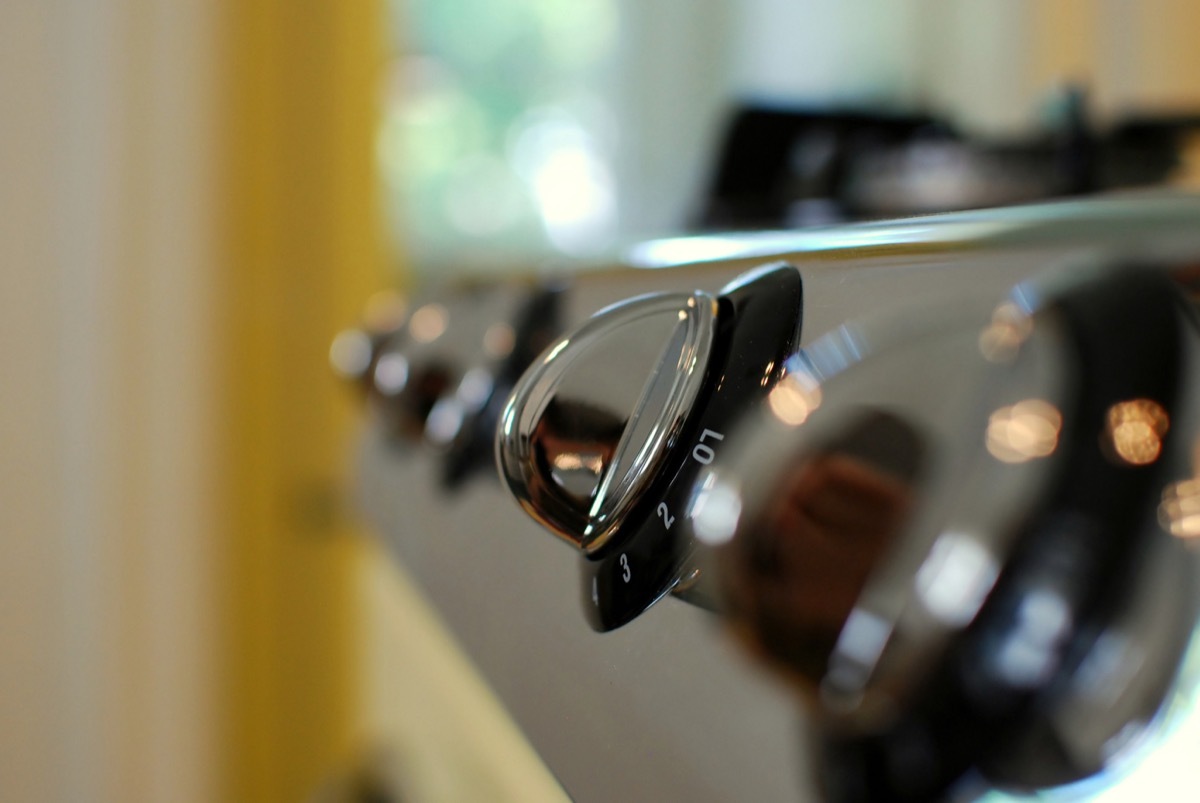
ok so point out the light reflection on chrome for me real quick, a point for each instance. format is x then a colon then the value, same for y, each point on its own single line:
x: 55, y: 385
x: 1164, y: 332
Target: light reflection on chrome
x: 715, y: 511
x: 350, y: 353
x: 859, y: 647
x: 428, y: 323
x: 768, y: 372
x: 391, y: 374
x: 956, y: 578
x: 1179, y: 511
x: 475, y: 388
x: 574, y: 461
x: 831, y: 353
x: 673, y: 251
x: 1002, y: 338
x: 680, y: 250
x: 794, y: 399
x: 1135, y: 430
x: 499, y: 340
x: 1024, y: 431
x: 1030, y: 654
x: 384, y: 311
x: 445, y: 421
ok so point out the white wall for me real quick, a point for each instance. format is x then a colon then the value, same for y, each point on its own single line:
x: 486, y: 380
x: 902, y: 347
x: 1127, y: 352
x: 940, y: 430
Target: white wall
x: 105, y: 592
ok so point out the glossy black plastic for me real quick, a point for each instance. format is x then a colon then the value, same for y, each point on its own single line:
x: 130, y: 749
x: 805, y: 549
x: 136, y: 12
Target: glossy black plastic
x: 758, y: 326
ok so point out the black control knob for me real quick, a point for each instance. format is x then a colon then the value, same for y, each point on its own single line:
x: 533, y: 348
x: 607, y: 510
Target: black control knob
x: 604, y: 435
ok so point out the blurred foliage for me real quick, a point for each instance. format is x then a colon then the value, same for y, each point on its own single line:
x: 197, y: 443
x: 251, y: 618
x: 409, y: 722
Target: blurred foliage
x: 485, y: 97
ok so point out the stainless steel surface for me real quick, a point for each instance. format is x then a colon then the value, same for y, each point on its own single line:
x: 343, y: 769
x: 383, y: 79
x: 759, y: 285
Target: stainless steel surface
x: 665, y: 707
x: 903, y: 510
x: 889, y: 415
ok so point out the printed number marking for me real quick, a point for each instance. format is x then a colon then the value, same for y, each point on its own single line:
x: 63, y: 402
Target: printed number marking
x: 625, y: 573
x: 702, y: 452
x: 667, y: 518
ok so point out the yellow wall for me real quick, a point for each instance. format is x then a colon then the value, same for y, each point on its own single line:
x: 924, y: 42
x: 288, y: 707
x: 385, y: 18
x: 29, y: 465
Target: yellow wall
x: 303, y: 253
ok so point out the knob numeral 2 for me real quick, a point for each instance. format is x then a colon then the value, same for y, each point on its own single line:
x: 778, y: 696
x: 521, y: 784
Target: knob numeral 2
x: 667, y: 518
x: 702, y: 452
x: 626, y: 574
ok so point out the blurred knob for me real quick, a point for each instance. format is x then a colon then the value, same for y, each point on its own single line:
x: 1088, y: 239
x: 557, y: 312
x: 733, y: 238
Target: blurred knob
x: 463, y: 423
x: 418, y: 363
x: 354, y: 351
x: 438, y: 375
